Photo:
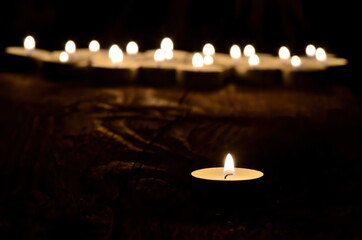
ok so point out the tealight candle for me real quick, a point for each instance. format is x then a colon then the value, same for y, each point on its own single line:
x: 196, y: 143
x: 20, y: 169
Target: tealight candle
x: 261, y: 73
x: 284, y: 54
x: 114, y: 69
x: 235, y: 53
x: 29, y: 45
x: 94, y: 46
x: 63, y: 57
x: 70, y: 47
x: 158, y: 72
x: 310, y: 50
x: 249, y: 50
x: 296, y: 62
x: 132, y: 49
x: 208, y: 49
x: 199, y: 75
x: 159, y: 57
x: 227, y: 173
x: 208, y: 60
x: 197, y: 61
x: 116, y: 55
x: 26, y: 57
x: 253, y: 61
x: 321, y: 55
x: 166, y: 44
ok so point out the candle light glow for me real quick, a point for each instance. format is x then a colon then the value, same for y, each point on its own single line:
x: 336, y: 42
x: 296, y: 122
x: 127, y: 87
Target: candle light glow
x: 159, y: 56
x: 208, y: 49
x: 94, y: 46
x: 166, y: 44
x: 229, y: 169
x: 208, y: 60
x: 235, y: 52
x: 63, y: 57
x: 253, y: 60
x: 197, y: 61
x: 29, y: 44
x: 284, y: 53
x: 321, y: 55
x: 115, y: 54
x: 249, y: 50
x: 296, y: 62
x: 70, y: 47
x: 132, y: 48
x: 310, y: 50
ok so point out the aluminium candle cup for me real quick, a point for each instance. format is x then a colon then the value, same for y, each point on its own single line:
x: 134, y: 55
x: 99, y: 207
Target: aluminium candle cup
x: 153, y: 74
x: 68, y: 71
x: 208, y: 77
x: 228, y: 196
x: 18, y: 60
x: 64, y: 71
x: 113, y: 76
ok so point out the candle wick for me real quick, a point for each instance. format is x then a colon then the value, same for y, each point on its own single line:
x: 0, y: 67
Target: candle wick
x: 227, y: 175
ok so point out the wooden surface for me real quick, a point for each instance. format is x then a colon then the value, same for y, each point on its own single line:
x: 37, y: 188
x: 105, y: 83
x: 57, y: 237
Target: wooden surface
x: 99, y: 162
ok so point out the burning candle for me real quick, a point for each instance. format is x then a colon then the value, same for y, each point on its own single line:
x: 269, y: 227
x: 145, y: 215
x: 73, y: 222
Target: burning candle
x: 29, y: 45
x: 310, y: 50
x: 94, y: 46
x: 321, y: 55
x: 159, y: 57
x: 253, y: 61
x: 132, y: 49
x: 235, y: 53
x: 284, y: 54
x: 227, y: 173
x: 116, y: 55
x: 208, y: 49
x: 197, y: 61
x: 249, y: 50
x: 296, y: 62
x: 63, y: 57
x: 70, y: 47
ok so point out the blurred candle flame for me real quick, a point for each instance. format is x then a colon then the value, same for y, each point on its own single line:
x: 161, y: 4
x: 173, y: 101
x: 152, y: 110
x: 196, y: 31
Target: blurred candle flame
x: 132, y: 48
x: 295, y: 61
x: 197, y: 61
x: 94, y: 46
x: 29, y: 44
x: 166, y: 44
x: 310, y: 50
x: 115, y: 54
x: 63, y: 57
x: 208, y: 49
x: 235, y: 52
x: 70, y: 47
x: 284, y: 53
x: 249, y: 50
x: 321, y: 54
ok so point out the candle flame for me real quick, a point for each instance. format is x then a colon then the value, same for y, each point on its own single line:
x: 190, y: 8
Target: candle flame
x: 235, y: 52
x: 115, y: 54
x: 70, y: 47
x: 229, y: 168
x: 208, y: 49
x: 159, y: 56
x: 29, y: 43
x: 94, y: 46
x: 168, y: 54
x: 295, y: 61
x: 321, y: 54
x: 197, y: 61
x: 249, y: 50
x: 132, y: 48
x: 253, y: 60
x: 208, y: 60
x: 63, y: 57
x: 166, y: 44
x: 284, y: 53
x: 310, y: 50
